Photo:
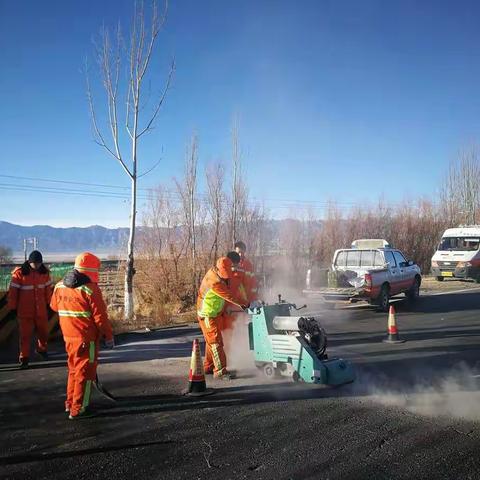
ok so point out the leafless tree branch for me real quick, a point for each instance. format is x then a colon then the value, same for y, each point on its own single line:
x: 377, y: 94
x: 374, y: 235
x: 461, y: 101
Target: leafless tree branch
x: 150, y: 169
x: 160, y: 102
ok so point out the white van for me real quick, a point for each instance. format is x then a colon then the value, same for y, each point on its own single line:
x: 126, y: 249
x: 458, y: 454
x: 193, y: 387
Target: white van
x: 458, y: 254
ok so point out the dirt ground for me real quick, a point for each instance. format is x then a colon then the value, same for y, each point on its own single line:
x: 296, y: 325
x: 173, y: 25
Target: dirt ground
x: 431, y: 285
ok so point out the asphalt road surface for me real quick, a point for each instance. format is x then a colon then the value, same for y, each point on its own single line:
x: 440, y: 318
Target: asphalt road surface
x: 413, y: 412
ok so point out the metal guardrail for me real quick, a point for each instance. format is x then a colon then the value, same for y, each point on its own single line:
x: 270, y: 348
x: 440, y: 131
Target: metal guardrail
x: 8, y: 323
x: 57, y: 272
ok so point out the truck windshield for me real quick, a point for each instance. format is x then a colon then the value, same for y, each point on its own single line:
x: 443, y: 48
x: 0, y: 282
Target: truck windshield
x: 467, y: 244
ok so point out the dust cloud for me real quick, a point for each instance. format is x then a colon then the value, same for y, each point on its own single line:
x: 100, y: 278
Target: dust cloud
x: 237, y: 347
x: 454, y: 393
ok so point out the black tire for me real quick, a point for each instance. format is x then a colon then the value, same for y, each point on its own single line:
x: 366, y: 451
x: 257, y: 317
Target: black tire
x: 414, y: 291
x: 440, y: 279
x: 383, y: 300
x: 297, y: 378
x: 260, y: 365
x: 269, y: 370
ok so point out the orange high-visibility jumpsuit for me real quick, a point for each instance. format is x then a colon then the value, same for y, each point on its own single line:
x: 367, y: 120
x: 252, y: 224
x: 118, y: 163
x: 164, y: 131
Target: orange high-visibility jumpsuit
x: 29, y: 294
x: 213, y: 294
x: 244, y: 285
x: 83, y: 321
x: 250, y: 281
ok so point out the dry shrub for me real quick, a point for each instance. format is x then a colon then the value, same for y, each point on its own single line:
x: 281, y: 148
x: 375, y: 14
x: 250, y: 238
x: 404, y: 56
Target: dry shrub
x: 164, y: 289
x: 413, y: 227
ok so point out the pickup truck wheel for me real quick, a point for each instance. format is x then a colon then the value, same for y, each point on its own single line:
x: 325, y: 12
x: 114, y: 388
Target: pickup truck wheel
x: 383, y: 300
x: 440, y: 279
x: 414, y: 291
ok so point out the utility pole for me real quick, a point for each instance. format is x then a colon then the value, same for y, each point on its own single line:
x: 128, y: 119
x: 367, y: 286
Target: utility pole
x: 29, y: 241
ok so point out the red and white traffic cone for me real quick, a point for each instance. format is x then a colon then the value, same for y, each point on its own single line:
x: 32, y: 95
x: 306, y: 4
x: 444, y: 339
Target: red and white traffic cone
x: 197, y: 386
x: 392, y: 336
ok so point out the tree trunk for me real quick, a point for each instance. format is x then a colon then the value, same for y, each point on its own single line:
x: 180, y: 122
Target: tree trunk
x: 130, y: 270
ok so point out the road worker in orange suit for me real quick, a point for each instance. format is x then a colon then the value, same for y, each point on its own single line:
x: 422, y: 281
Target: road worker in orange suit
x: 213, y: 295
x: 250, y: 284
x: 243, y: 283
x: 29, y: 295
x: 84, y: 321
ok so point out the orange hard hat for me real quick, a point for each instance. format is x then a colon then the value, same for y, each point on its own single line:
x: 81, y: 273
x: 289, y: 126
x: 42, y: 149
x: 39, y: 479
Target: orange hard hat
x: 88, y: 264
x: 224, y: 267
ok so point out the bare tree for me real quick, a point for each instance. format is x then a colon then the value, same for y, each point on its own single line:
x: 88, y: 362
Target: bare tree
x: 236, y: 182
x: 110, y: 57
x: 460, y: 193
x: 187, y: 190
x: 5, y: 254
x: 215, y: 176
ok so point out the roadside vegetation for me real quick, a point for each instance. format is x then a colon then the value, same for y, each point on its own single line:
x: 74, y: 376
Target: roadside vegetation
x: 181, y: 239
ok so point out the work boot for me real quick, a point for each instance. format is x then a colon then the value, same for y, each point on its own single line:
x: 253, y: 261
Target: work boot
x: 81, y: 415
x: 225, y: 375
x: 44, y: 355
x: 23, y: 363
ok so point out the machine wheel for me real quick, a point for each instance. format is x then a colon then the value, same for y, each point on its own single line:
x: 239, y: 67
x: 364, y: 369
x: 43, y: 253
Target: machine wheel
x: 269, y: 371
x: 297, y: 378
x: 440, y: 279
x: 259, y: 365
x: 414, y: 291
x: 383, y: 300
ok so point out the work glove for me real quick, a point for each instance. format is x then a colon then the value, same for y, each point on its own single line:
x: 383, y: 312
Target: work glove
x: 109, y: 344
x: 255, y: 304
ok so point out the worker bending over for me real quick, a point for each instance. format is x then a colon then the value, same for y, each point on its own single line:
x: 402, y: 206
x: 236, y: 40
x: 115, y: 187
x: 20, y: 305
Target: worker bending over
x: 243, y: 284
x: 213, y: 294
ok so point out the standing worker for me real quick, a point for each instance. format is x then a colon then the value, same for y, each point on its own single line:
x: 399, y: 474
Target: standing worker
x: 243, y: 284
x: 83, y: 321
x: 29, y: 294
x: 245, y: 266
x: 214, y: 292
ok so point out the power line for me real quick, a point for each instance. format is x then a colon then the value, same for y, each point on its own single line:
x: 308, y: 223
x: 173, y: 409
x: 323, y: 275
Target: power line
x: 113, y: 195
x: 37, y: 179
x: 204, y: 195
x: 272, y: 203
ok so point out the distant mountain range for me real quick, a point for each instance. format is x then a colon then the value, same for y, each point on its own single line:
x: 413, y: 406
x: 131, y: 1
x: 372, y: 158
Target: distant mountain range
x: 73, y: 239
x: 101, y: 240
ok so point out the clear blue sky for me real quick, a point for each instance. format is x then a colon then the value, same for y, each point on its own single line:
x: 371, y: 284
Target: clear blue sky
x: 342, y: 100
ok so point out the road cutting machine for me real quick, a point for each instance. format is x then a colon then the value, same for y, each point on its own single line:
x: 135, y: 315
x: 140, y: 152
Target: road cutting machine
x: 293, y: 346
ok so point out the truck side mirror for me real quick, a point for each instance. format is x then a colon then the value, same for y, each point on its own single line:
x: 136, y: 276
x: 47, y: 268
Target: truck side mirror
x: 410, y: 263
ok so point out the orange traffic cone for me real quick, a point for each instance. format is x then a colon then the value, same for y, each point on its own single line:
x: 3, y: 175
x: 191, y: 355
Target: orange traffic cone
x: 196, y: 376
x: 392, y: 328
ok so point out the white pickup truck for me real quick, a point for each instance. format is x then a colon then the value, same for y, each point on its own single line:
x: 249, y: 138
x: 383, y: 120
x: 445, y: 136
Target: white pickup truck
x: 370, y: 271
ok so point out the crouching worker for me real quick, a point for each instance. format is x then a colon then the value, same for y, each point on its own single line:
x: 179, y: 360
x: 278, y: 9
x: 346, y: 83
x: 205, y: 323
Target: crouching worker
x: 83, y: 321
x: 214, y: 292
